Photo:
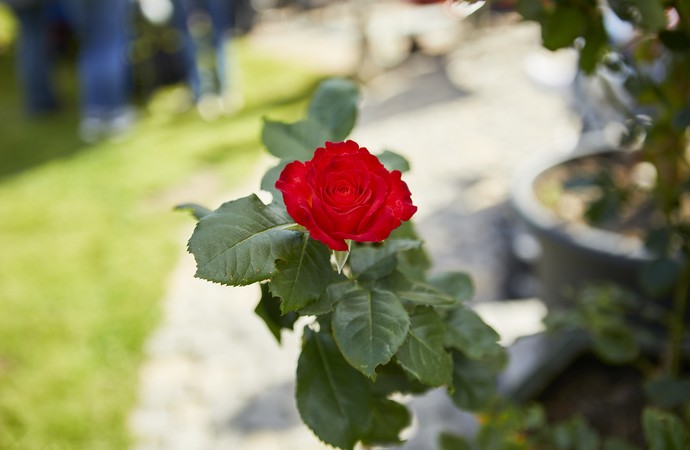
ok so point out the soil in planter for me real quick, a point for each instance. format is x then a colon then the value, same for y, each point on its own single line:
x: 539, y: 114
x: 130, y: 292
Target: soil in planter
x: 610, y: 191
x: 610, y: 398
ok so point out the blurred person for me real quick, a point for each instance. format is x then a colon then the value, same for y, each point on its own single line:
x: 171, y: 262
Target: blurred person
x: 102, y: 31
x: 101, y: 28
x: 35, y: 55
x: 208, y: 27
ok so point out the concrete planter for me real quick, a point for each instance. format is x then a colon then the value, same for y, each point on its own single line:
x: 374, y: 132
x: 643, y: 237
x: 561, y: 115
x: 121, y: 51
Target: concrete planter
x: 568, y: 255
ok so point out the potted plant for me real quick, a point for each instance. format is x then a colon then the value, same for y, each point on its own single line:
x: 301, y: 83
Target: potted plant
x: 621, y: 214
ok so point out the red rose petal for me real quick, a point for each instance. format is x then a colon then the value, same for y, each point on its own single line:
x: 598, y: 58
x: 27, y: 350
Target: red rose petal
x: 344, y: 192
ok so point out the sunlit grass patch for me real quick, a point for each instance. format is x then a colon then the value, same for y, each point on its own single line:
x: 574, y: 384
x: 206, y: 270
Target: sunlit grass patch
x: 88, y: 237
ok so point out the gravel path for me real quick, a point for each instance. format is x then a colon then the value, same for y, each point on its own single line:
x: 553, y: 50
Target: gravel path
x: 216, y: 379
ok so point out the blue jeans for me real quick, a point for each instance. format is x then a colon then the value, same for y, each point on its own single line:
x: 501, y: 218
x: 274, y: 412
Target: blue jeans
x: 35, y: 59
x: 102, y: 30
x: 205, y: 76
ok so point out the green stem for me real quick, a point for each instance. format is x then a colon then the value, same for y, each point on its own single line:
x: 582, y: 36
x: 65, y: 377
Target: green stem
x: 677, y: 329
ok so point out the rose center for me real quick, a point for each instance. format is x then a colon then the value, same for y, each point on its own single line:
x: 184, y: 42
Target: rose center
x: 343, y: 193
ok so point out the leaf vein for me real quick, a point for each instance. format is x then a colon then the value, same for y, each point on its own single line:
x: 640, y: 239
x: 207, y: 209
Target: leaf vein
x: 252, y: 236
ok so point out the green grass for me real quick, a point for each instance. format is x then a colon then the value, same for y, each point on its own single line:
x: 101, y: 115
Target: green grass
x: 87, y: 240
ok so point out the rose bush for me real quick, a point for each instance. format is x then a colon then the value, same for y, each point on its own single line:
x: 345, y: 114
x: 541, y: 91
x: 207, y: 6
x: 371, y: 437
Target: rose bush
x: 345, y: 193
x: 378, y: 323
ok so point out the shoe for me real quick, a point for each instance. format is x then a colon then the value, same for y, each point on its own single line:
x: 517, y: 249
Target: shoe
x: 210, y: 107
x: 91, y: 129
x: 120, y: 123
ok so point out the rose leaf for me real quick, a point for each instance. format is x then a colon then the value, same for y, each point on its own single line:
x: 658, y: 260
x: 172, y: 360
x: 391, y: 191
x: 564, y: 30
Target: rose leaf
x: 389, y: 419
x: 414, y: 263
x: 422, y: 354
x: 371, y: 262
x: 456, y: 284
x: 424, y: 294
x: 332, y: 398
x: 467, y: 332
x: 391, y: 378
x: 336, y: 291
x: 303, y: 276
x: 369, y: 327
x: 238, y: 243
x: 651, y: 14
x: 294, y: 141
x: 393, y: 161
x: 268, y: 182
x: 334, y: 105
x: 560, y: 28
x: 197, y: 211
x: 664, y: 430
x: 268, y: 310
x: 474, y: 382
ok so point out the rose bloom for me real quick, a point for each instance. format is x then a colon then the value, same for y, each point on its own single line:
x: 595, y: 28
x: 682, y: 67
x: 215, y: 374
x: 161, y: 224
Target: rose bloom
x: 344, y: 192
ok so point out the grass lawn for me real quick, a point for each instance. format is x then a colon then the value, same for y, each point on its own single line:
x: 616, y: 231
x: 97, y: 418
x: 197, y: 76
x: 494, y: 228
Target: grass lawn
x: 88, y: 237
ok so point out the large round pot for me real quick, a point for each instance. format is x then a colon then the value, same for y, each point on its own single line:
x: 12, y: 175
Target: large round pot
x: 570, y: 255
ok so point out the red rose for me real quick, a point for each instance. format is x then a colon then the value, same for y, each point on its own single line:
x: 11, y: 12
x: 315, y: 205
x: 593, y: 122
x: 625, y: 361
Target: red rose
x: 344, y: 192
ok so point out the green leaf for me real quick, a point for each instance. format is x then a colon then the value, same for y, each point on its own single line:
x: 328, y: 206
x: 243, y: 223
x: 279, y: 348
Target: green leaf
x: 332, y: 398
x: 574, y: 434
x: 268, y: 309
x: 615, y: 343
x: 657, y: 240
x: 467, y: 332
x: 682, y: 119
x: 335, y: 292
x: 614, y: 443
x: 474, y: 382
x: 595, y: 43
x: 623, y: 9
x: 334, y: 105
x: 414, y: 263
x: 197, y: 211
x: 659, y: 276
x: 668, y: 392
x: 652, y: 15
x: 390, y: 419
x: 303, y: 275
x: 456, y: 284
x: 506, y: 427
x: 391, y: 379
x: 294, y: 141
x: 447, y: 441
x: 369, y: 327
x: 393, y: 161
x: 425, y: 294
x: 560, y: 28
x: 675, y: 40
x: 423, y: 354
x: 396, y: 282
x: 238, y: 243
x: 374, y: 261
x: 530, y: 9
x: 664, y: 430
x: 268, y: 182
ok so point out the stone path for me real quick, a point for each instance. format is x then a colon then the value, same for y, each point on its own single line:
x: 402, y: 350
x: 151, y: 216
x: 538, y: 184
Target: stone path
x: 216, y: 379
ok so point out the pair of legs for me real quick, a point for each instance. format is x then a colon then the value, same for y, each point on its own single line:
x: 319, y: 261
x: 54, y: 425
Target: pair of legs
x: 207, y: 27
x: 101, y: 27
